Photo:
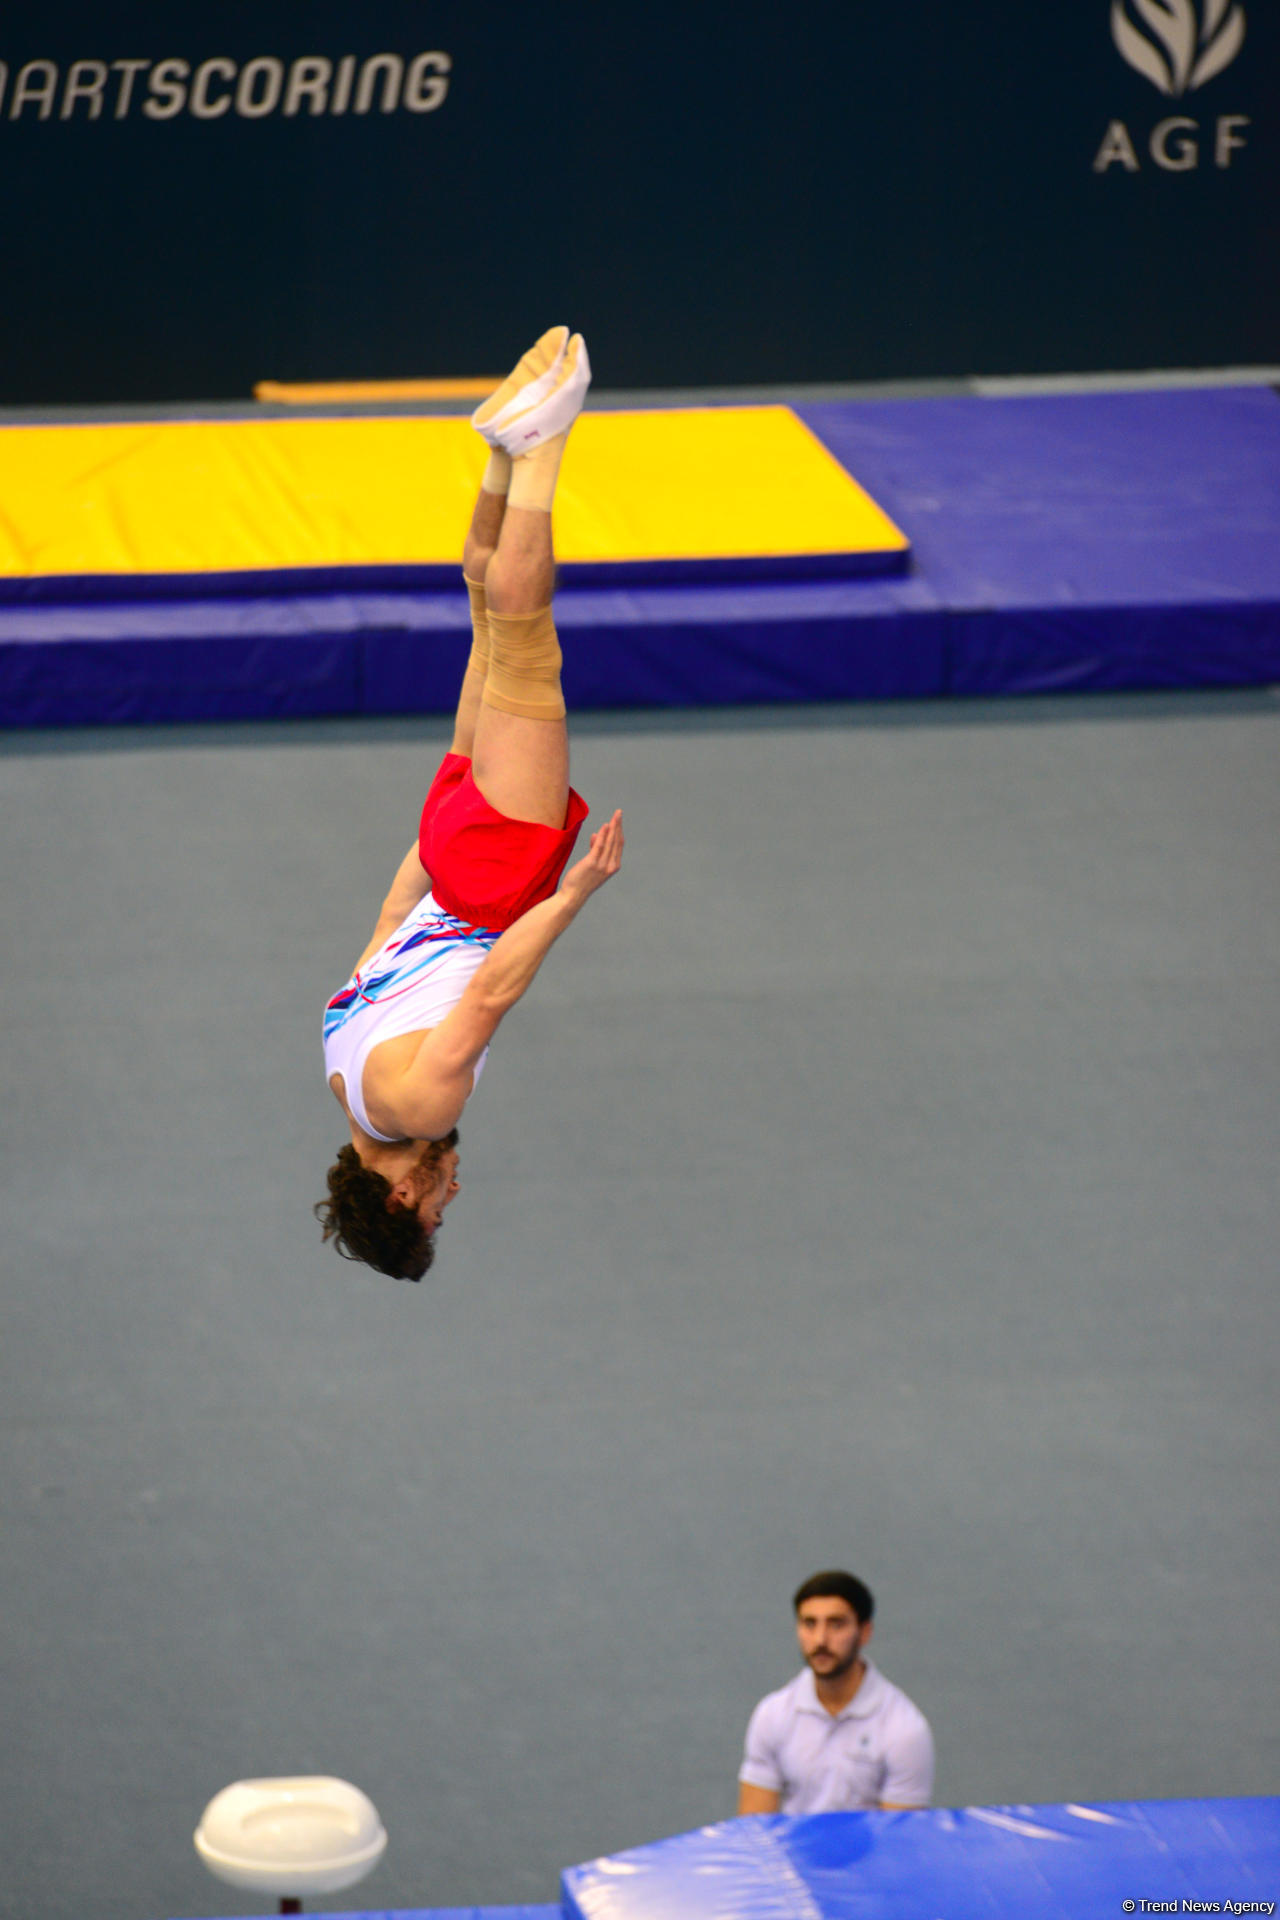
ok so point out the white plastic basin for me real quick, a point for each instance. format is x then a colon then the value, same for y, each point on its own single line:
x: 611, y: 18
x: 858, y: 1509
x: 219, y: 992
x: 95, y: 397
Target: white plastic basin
x: 291, y: 1836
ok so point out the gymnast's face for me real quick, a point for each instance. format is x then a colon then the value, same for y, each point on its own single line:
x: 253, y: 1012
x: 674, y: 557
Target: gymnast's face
x: 438, y: 1188
x: 830, y: 1636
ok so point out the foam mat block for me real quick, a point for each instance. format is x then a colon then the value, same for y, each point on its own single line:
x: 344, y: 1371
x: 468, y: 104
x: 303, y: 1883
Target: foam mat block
x: 1095, y: 542
x: 676, y: 493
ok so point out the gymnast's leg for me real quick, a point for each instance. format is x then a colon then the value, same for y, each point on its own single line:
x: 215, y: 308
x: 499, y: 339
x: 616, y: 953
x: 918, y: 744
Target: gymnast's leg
x: 478, y: 550
x: 519, y: 742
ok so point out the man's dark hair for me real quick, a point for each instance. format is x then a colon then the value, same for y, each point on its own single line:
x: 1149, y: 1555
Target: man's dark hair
x: 838, y: 1586
x: 390, y: 1238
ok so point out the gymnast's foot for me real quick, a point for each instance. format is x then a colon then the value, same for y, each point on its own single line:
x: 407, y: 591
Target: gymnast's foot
x: 534, y: 376
x: 529, y: 423
x: 535, y: 436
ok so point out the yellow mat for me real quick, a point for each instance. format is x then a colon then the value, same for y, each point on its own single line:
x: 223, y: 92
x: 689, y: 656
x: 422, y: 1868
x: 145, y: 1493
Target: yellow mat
x: 233, y: 496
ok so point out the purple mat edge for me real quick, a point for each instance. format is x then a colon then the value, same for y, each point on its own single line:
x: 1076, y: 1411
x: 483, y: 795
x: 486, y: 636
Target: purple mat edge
x: 95, y: 589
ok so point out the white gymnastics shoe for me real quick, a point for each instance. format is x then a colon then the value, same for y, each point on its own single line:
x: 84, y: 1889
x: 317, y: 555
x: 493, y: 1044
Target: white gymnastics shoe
x: 554, y: 412
x: 534, y: 377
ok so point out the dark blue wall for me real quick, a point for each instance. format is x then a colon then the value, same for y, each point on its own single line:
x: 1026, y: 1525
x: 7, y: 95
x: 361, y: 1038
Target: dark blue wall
x: 766, y: 193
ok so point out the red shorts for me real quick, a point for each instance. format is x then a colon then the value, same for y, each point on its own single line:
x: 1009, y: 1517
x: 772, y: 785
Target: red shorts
x: 485, y: 868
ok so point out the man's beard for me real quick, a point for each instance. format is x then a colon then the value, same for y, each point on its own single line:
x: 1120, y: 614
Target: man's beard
x: 838, y: 1671
x: 426, y: 1169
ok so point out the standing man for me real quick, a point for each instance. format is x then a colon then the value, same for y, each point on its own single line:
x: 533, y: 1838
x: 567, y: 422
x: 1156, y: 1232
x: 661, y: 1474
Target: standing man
x: 840, y: 1736
x: 473, y: 909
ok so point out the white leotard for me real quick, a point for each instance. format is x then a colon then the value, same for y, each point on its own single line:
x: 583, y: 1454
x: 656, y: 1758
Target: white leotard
x: 408, y: 985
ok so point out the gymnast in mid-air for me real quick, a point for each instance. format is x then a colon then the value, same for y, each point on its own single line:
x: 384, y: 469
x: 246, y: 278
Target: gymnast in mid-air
x: 477, y: 902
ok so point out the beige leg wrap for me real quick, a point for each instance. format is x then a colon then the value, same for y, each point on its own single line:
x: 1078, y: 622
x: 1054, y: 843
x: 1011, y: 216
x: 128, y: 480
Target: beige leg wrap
x: 497, y: 473
x: 534, y: 476
x: 524, y: 665
x: 479, y: 661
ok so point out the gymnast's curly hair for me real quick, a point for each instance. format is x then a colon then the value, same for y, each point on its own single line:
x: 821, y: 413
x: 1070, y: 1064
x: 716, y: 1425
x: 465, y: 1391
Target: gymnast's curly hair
x: 357, y: 1218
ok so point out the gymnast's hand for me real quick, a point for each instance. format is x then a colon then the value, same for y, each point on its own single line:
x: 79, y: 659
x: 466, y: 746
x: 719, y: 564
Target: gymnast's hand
x: 600, y: 863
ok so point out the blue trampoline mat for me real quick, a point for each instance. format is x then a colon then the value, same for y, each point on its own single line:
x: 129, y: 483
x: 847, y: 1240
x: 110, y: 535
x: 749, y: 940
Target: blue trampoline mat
x: 978, y: 1863
x: 1097, y: 542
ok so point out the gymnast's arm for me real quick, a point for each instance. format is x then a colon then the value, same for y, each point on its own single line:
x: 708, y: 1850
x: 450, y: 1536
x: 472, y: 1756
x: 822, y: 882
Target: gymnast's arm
x: 509, y: 970
x: 429, y: 1094
x: 410, y: 885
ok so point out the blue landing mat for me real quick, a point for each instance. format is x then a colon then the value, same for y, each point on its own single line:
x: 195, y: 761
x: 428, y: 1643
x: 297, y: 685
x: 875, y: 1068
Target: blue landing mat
x: 1096, y: 542
x: 978, y: 1863
x: 1099, y: 541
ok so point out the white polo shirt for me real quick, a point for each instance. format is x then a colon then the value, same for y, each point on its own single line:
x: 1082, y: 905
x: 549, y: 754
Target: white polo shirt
x: 879, y: 1748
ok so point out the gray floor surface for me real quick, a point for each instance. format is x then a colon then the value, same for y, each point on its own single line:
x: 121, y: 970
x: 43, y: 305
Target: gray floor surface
x: 882, y: 1172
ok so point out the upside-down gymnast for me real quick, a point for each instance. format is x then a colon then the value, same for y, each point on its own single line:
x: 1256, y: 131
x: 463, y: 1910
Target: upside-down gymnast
x: 474, y: 908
